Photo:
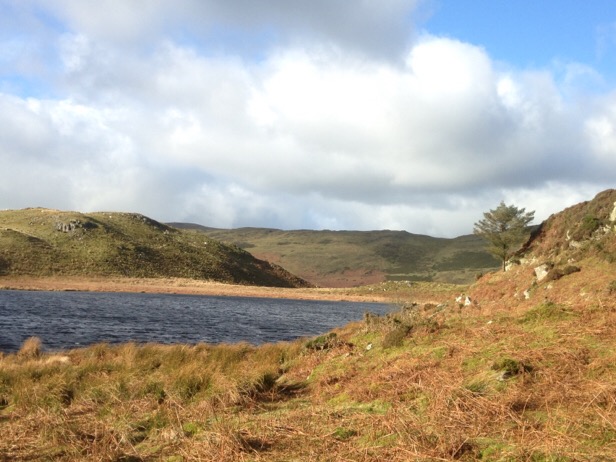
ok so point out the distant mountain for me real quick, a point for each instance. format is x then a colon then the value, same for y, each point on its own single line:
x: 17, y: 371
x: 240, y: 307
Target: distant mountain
x: 352, y: 258
x: 43, y: 242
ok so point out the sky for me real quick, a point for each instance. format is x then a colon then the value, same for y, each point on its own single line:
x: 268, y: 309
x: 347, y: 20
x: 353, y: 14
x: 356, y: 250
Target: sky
x: 416, y: 115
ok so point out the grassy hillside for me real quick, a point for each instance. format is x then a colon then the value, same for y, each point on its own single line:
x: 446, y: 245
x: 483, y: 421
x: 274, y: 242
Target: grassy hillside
x: 43, y: 242
x: 352, y: 258
x: 526, y: 372
x: 579, y: 231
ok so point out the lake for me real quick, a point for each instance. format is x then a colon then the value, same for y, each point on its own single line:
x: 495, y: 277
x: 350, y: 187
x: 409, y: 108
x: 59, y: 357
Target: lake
x: 64, y: 320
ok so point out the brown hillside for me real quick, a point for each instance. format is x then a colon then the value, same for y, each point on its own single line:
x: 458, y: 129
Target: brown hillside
x: 569, y: 259
x: 579, y: 231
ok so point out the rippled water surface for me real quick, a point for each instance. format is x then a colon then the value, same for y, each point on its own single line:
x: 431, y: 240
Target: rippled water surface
x: 71, y: 319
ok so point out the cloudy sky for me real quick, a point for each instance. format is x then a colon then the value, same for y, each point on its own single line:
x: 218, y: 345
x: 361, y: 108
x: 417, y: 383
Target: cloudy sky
x: 324, y: 114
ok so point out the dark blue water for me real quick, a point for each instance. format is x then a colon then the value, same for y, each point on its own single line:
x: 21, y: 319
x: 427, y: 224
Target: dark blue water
x: 64, y: 320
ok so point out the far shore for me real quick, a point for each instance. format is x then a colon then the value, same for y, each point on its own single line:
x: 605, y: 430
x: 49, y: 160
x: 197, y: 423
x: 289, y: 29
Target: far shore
x: 185, y: 286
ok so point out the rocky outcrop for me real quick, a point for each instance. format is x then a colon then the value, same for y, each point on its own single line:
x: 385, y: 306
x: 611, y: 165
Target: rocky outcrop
x: 542, y: 271
x: 68, y: 227
x: 581, y: 230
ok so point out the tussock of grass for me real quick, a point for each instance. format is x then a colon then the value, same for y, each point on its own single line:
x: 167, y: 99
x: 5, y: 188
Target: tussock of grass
x: 135, y: 399
x: 30, y: 349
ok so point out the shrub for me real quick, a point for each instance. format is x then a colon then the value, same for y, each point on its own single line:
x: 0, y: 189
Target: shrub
x: 589, y: 225
x: 323, y: 342
x: 395, y: 337
x: 584, y: 227
x: 371, y: 319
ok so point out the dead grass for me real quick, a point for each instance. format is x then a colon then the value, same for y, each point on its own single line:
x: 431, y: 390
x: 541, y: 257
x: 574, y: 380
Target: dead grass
x: 30, y: 349
x: 437, y: 396
x: 148, y: 401
x: 389, y: 292
x: 507, y: 378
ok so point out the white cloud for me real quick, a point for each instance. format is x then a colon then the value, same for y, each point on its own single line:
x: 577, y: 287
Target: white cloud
x: 600, y: 130
x: 308, y: 135
x: 374, y: 28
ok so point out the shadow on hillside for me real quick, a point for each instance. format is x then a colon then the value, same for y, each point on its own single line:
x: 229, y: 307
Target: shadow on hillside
x: 290, y: 390
x: 277, y: 392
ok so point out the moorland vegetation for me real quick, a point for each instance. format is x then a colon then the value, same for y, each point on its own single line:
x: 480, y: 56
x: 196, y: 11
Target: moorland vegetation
x: 44, y: 242
x: 356, y: 258
x: 525, y: 371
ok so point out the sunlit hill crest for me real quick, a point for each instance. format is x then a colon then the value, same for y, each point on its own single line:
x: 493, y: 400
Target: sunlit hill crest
x: 43, y: 242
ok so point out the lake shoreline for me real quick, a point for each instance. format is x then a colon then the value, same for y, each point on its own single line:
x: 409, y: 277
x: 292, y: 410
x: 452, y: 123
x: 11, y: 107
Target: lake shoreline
x: 183, y: 286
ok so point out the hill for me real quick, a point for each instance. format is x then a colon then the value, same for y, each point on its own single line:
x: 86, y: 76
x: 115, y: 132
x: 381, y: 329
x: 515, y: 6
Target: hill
x: 353, y: 258
x: 43, y: 242
x: 526, y: 372
x: 580, y: 231
x: 569, y: 258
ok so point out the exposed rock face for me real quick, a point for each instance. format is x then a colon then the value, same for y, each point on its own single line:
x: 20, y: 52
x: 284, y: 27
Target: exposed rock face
x: 542, y: 271
x: 68, y: 227
x: 464, y: 300
x: 573, y: 244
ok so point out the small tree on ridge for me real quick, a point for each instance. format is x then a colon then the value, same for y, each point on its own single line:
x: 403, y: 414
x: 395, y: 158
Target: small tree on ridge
x: 505, y: 228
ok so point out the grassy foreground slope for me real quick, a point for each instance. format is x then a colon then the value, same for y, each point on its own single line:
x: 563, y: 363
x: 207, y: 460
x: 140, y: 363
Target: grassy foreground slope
x: 527, y: 372
x: 43, y: 242
x: 353, y: 258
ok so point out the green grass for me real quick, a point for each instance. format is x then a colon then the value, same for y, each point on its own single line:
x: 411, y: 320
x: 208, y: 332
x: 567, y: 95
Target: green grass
x: 547, y: 311
x: 42, y: 242
x: 325, y: 256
